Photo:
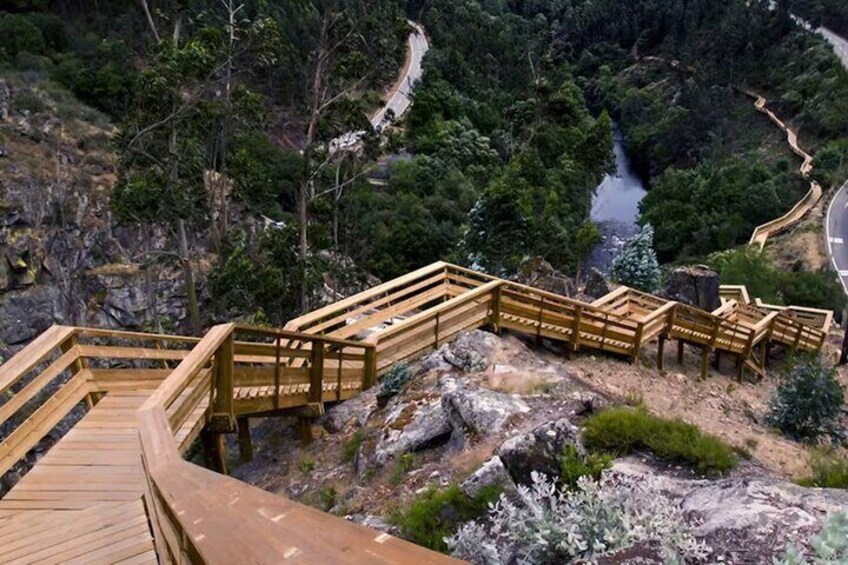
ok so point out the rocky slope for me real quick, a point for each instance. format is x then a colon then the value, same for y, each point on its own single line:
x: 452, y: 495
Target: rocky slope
x: 491, y: 410
x: 62, y: 257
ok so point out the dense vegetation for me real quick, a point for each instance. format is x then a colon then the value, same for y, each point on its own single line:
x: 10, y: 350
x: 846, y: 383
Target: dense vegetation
x: 226, y: 112
x: 624, y: 430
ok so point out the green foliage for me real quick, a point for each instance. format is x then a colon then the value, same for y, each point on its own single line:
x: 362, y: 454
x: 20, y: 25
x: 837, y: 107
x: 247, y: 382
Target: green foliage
x: 435, y: 515
x: 808, y: 401
x: 395, y: 379
x: 265, y: 177
x: 328, y: 496
x: 404, y: 464
x: 830, y: 470
x: 575, y: 465
x: 18, y: 33
x: 636, y: 266
x: 753, y: 269
x: 306, y: 465
x: 257, y: 276
x: 624, y: 430
x: 351, y: 446
x: 830, y: 545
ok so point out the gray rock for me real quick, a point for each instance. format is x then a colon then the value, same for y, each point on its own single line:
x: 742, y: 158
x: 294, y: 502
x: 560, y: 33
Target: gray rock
x: 413, y: 426
x: 538, y: 450
x: 696, y: 285
x: 471, y: 352
x: 478, y: 410
x: 539, y: 273
x: 490, y: 474
x: 596, y: 284
x: 27, y: 313
x: 353, y: 412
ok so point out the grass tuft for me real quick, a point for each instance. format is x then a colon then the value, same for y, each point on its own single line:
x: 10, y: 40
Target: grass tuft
x: 625, y: 430
x: 829, y: 471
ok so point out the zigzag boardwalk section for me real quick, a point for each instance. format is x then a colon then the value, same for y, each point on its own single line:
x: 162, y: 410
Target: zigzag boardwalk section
x: 116, y: 487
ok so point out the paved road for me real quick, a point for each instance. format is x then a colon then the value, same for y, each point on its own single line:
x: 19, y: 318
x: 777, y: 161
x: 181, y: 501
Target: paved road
x: 836, y: 222
x: 400, y: 97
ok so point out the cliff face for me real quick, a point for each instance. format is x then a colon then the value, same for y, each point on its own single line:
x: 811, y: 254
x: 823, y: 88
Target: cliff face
x: 62, y: 258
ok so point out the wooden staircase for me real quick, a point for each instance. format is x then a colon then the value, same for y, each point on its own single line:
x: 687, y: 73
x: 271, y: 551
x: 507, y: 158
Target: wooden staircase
x: 115, y: 488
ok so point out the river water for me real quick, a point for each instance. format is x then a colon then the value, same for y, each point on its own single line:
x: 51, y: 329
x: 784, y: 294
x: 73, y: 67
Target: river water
x: 615, y: 208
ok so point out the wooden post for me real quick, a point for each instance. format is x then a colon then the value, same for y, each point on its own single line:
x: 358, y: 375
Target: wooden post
x: 575, y: 328
x: 244, y: 442
x: 224, y: 378
x: 539, y: 322
x: 661, y: 353
x: 339, y: 375
x: 369, y: 373
x: 705, y: 358
x: 717, y: 360
x: 215, y: 450
x: 496, y: 310
x: 316, y: 371
x: 437, y: 330
x: 637, y: 343
x: 277, y: 370
x: 680, y: 352
x: 92, y: 398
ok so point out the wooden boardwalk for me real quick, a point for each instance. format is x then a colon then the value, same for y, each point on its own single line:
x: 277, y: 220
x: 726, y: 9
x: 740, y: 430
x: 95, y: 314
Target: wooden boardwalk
x: 116, y: 488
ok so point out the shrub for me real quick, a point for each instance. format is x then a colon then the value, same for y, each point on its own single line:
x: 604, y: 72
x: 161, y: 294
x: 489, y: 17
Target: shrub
x: 328, y: 497
x: 548, y: 525
x: 405, y: 463
x: 18, y: 33
x: 435, y: 515
x: 393, y: 381
x: 808, y: 400
x: 830, y: 544
x: 306, y: 466
x: 637, y: 265
x: 575, y: 465
x: 829, y: 471
x: 624, y: 430
x: 351, y: 447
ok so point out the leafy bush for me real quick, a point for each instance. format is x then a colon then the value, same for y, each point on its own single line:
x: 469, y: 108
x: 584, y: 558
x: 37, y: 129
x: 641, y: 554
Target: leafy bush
x: 548, y: 525
x: 830, y: 544
x: 808, y: 400
x: 637, y: 265
x: 829, y: 471
x: 575, y: 465
x: 394, y: 380
x: 405, y: 463
x: 435, y: 515
x: 351, y: 447
x: 18, y: 33
x: 624, y: 430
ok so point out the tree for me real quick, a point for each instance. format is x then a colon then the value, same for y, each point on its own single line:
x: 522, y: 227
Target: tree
x: 588, y: 236
x: 637, y: 264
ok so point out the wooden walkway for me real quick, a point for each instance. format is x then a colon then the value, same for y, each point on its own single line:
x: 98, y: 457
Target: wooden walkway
x: 116, y: 488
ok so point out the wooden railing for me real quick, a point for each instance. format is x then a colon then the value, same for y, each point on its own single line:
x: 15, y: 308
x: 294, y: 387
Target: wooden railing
x: 44, y: 382
x: 200, y: 516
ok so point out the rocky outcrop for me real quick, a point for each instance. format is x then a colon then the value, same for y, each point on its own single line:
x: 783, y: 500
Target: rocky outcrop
x: 412, y: 426
x: 539, y: 450
x: 596, y: 285
x: 351, y: 413
x: 492, y: 473
x: 478, y: 411
x: 539, y: 273
x: 696, y: 286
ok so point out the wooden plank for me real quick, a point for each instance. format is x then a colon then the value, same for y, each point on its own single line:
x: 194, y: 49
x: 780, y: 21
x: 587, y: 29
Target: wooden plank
x: 120, y: 352
x: 37, y: 351
x: 36, y: 385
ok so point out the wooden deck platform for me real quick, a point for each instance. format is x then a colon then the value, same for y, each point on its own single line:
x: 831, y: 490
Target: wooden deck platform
x: 115, y: 488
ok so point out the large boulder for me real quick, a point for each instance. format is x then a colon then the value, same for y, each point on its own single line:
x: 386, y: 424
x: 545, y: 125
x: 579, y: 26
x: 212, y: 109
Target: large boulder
x: 492, y: 473
x: 477, y: 410
x: 539, y: 273
x: 596, y: 285
x: 413, y: 425
x: 539, y: 450
x: 471, y: 352
x: 696, y: 285
x: 351, y: 413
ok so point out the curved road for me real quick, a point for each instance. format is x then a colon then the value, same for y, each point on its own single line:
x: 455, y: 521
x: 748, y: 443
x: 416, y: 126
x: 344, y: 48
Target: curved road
x: 399, y: 96
x: 836, y: 221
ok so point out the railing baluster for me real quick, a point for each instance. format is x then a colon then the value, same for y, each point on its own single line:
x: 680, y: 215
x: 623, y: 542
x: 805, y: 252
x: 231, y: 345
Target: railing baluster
x: 277, y: 370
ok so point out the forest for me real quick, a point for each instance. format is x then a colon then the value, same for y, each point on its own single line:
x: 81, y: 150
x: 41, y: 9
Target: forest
x: 498, y: 158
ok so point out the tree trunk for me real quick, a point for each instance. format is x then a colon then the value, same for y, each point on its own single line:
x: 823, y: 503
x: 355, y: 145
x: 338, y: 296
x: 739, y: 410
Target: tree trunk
x: 150, y: 23
x: 188, y: 281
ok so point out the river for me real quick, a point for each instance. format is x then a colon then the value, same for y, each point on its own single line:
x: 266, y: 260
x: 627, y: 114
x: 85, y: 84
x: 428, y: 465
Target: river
x: 615, y: 208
